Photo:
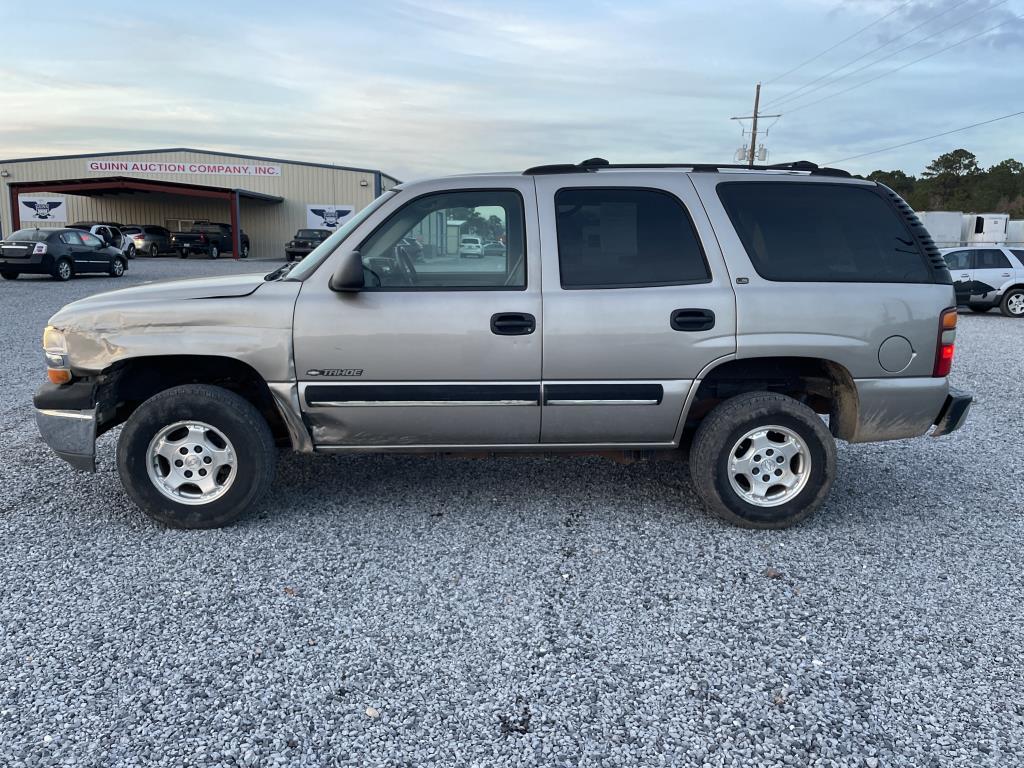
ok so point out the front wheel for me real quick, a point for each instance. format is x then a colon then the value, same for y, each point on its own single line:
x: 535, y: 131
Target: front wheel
x: 762, y: 460
x: 1013, y: 303
x: 116, y: 268
x: 196, y: 456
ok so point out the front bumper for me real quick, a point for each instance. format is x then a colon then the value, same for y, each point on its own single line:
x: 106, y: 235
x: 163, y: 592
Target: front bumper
x: 953, y: 413
x: 71, y: 434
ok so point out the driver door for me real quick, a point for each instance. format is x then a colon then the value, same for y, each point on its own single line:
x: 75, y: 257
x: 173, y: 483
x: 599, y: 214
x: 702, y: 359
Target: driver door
x: 438, y: 350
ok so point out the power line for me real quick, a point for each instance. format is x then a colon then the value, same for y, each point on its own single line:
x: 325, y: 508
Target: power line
x: 926, y: 138
x: 793, y: 94
x: 904, y: 48
x: 902, y: 66
x: 844, y: 40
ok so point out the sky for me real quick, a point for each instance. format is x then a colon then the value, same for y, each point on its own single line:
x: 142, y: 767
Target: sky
x: 428, y: 87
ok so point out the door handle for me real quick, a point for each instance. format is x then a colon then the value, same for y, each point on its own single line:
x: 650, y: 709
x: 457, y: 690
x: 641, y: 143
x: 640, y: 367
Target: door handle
x: 692, y: 320
x: 513, y: 324
x: 966, y: 277
x: 1005, y: 274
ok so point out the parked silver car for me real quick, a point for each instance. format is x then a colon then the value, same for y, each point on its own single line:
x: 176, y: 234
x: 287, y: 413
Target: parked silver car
x: 713, y: 312
x: 149, y: 239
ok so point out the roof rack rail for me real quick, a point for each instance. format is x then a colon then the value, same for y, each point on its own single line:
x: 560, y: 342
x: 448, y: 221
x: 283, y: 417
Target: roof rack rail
x: 599, y: 163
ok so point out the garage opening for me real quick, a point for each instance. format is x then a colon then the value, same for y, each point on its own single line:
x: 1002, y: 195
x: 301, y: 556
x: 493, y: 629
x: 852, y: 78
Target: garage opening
x: 160, y: 201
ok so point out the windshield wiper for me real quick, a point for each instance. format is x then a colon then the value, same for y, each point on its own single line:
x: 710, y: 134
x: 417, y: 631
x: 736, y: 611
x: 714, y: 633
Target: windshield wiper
x: 281, y: 272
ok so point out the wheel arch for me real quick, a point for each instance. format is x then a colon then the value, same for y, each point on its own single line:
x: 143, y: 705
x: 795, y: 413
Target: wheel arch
x: 126, y: 384
x: 824, y: 385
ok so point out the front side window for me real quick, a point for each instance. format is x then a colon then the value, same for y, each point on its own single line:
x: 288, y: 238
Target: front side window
x: 626, y: 238
x: 958, y: 260
x: 991, y: 258
x: 818, y: 232
x: 435, y: 243
x: 90, y: 239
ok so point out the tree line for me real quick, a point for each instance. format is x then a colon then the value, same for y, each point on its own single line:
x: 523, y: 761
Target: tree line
x: 956, y: 182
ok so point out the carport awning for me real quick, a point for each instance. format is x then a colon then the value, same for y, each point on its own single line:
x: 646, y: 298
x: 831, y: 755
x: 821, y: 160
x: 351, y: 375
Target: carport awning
x: 121, y: 185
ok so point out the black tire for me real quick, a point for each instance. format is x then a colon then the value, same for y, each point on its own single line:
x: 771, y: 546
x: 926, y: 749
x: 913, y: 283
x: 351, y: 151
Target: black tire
x: 182, y: 254
x: 117, y: 267
x: 9, y: 275
x: 130, y: 253
x: 235, y: 417
x: 154, y: 251
x: 245, y: 250
x: 719, y: 433
x: 978, y: 310
x: 1013, y: 296
x: 63, y: 270
x: 214, y: 252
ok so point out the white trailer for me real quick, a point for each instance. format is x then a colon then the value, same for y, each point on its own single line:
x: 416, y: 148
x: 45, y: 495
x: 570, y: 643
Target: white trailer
x: 1015, y: 233
x: 985, y: 228
x: 945, y: 227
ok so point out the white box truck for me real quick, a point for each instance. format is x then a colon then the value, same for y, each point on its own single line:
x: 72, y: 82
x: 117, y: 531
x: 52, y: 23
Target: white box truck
x: 985, y: 228
x: 1015, y: 233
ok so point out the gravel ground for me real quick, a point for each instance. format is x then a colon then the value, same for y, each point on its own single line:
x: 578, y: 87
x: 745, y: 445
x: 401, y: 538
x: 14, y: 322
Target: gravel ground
x: 551, y: 612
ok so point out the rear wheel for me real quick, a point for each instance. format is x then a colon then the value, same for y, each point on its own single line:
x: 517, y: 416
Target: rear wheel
x: 9, y: 275
x: 1013, y: 303
x: 245, y: 250
x: 762, y: 460
x: 214, y: 252
x: 196, y: 456
x: 154, y: 251
x: 130, y: 253
x: 62, y: 270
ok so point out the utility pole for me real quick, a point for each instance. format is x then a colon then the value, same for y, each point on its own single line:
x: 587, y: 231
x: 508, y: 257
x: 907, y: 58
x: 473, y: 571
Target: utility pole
x: 752, y: 152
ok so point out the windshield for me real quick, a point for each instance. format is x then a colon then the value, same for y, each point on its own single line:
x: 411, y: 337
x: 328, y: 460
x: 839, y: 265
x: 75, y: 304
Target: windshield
x: 309, y: 264
x: 311, y: 234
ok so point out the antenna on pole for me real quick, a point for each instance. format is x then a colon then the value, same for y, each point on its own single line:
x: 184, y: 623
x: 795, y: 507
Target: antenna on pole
x: 752, y: 153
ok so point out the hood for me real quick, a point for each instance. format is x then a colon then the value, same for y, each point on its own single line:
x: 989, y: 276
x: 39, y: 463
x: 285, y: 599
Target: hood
x: 174, y: 290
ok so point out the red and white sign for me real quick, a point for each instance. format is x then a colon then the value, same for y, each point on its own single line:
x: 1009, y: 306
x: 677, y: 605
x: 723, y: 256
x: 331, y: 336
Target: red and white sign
x: 196, y: 169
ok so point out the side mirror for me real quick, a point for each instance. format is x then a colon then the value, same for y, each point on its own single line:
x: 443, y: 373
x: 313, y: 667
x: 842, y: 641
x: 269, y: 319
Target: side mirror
x: 348, y: 278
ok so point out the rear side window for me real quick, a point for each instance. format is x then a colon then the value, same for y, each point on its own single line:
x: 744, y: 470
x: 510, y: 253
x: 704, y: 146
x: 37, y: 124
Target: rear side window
x: 992, y: 258
x: 809, y: 232
x: 71, y: 238
x: 1018, y: 253
x: 626, y: 238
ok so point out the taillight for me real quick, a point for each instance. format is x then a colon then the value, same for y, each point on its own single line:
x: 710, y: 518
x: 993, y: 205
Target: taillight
x: 39, y: 249
x: 202, y: 238
x: 947, y: 342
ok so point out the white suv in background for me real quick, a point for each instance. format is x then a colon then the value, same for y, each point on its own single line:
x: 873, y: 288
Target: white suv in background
x: 987, y: 276
x: 470, y: 245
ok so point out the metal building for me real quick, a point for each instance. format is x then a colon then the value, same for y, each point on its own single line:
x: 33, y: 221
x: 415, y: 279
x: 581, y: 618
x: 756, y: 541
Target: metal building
x: 267, y: 197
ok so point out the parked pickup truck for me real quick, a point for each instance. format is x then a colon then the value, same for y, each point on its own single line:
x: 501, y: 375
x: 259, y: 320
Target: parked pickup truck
x: 207, y: 237
x: 739, y: 319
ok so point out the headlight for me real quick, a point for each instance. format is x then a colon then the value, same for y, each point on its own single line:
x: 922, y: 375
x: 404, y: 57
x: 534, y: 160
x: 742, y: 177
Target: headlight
x: 55, y: 346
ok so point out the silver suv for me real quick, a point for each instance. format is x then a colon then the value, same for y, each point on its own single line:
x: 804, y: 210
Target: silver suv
x: 740, y: 319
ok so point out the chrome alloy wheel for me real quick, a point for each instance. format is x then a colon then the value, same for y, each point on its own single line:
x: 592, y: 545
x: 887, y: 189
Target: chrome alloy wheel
x: 1015, y: 304
x: 769, y: 466
x: 191, y: 462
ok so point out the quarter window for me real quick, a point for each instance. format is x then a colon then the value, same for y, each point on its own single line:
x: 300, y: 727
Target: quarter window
x: 71, y: 238
x: 626, y: 238
x: 90, y: 239
x: 819, y: 232
x: 464, y: 240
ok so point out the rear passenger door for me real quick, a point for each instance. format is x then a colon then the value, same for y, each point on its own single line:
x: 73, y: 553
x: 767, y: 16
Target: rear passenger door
x: 637, y: 302
x: 992, y: 270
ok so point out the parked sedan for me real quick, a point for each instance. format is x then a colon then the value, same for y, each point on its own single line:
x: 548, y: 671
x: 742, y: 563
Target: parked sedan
x: 304, y: 242
x: 60, y: 253
x: 149, y: 239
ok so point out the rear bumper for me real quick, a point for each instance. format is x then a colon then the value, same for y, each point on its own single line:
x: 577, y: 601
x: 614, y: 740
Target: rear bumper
x: 71, y: 435
x: 33, y: 265
x: 953, y: 413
